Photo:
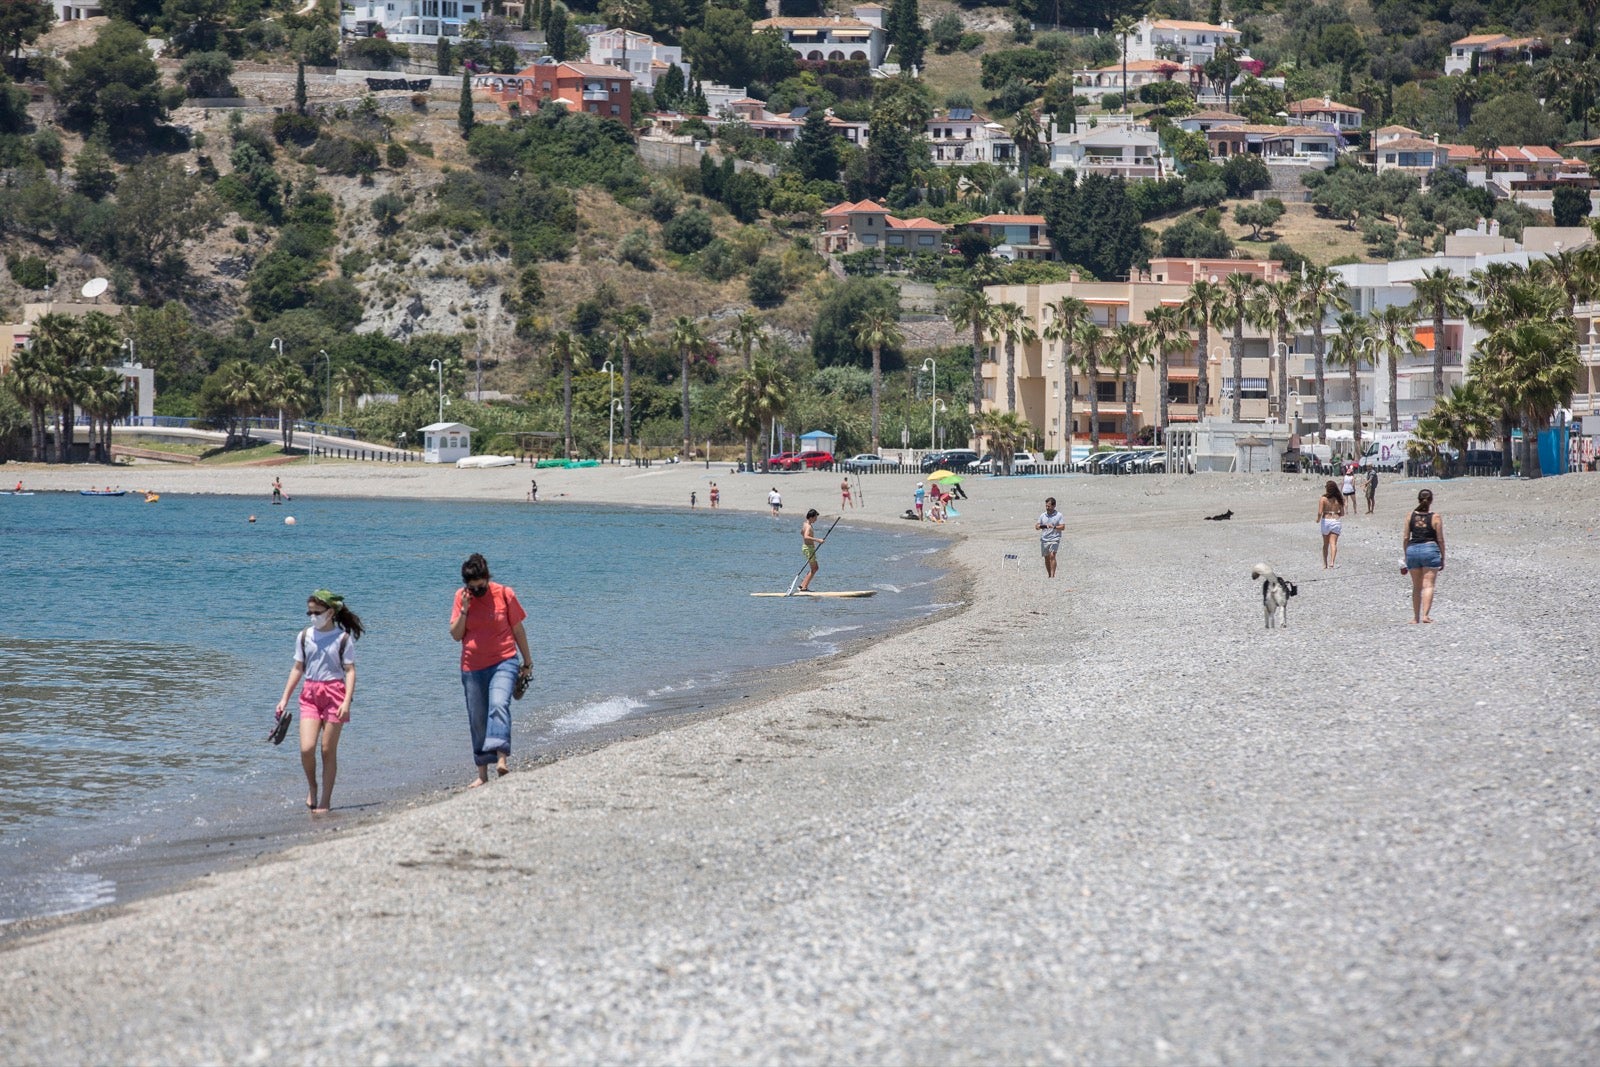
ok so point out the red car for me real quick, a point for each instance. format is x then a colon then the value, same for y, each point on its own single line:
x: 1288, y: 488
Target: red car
x: 793, y: 461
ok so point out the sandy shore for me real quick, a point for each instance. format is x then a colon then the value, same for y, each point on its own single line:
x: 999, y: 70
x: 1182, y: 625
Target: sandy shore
x: 1104, y: 819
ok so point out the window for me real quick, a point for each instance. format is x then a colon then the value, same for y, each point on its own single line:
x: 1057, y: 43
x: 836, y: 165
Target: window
x: 897, y: 238
x: 451, y: 9
x: 1107, y: 391
x: 925, y: 239
x: 430, y: 9
x: 616, y: 109
x: 869, y: 239
x: 1254, y: 388
x: 616, y: 87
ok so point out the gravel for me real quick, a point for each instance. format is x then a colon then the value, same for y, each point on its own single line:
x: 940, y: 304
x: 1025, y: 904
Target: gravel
x: 1107, y: 819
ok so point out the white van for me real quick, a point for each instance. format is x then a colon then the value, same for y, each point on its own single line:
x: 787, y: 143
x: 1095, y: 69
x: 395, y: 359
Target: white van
x: 1387, y: 452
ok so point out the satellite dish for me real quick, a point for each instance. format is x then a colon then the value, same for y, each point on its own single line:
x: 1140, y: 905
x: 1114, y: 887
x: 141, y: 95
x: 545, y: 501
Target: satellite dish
x: 94, y: 287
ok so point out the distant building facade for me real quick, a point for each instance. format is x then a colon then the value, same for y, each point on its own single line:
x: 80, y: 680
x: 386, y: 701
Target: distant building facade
x: 836, y: 38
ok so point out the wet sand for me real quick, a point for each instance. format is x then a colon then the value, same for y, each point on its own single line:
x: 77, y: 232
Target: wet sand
x: 1105, y: 818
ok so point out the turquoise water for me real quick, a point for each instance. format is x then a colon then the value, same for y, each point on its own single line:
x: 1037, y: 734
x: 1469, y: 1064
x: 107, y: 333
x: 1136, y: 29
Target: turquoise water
x: 144, y: 646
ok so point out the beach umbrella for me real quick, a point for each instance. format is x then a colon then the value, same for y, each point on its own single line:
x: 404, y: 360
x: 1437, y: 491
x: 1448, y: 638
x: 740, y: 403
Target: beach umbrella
x: 944, y: 476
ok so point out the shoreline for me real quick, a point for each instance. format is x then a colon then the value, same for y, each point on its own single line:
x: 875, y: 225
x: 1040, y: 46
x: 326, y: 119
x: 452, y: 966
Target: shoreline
x: 193, y: 859
x: 1108, y: 818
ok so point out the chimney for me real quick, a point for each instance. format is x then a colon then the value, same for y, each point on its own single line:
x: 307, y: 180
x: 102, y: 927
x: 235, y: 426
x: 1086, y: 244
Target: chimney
x: 1435, y: 138
x: 1481, y: 224
x: 1494, y: 227
x: 1074, y: 276
x: 1327, y: 101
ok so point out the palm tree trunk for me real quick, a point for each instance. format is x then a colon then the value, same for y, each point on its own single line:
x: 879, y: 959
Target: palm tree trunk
x: 1011, y: 374
x: 685, y: 368
x: 1355, y: 398
x: 1127, y: 401
x: 1438, y: 351
x: 1530, y: 447
x: 977, y: 371
x: 1319, y: 357
x: 1394, y: 388
x: 1238, y: 368
x: 877, y: 389
x: 1161, y: 389
x: 566, y: 405
x: 1283, y: 372
x: 1507, y: 463
x: 1202, y: 378
x: 1066, y: 360
x: 1094, y: 405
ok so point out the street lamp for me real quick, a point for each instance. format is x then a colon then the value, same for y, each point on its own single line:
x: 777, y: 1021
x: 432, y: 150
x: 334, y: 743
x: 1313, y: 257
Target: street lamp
x: 1215, y: 357
x: 434, y: 364
x: 611, y: 408
x: 933, y: 414
x: 277, y: 346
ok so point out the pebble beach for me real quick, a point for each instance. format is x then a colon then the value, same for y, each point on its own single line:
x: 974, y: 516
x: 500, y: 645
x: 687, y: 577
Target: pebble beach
x: 1107, y: 818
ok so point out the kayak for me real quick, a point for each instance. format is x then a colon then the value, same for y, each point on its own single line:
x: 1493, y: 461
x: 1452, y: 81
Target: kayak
x: 102, y: 492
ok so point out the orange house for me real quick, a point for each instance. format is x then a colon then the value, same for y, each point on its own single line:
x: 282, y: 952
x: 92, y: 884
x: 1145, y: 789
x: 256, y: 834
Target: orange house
x: 594, y: 88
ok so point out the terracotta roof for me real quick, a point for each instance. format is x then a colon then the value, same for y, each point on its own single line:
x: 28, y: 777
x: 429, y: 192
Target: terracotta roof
x: 1593, y: 142
x: 918, y: 223
x: 1322, y: 104
x: 1182, y: 24
x: 1138, y: 66
x: 1009, y: 220
x: 847, y: 208
x: 1410, y: 144
x: 812, y: 24
x: 1480, y: 38
x: 1396, y: 129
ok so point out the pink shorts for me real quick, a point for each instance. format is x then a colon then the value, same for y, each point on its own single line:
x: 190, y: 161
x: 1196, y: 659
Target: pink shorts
x: 321, y: 700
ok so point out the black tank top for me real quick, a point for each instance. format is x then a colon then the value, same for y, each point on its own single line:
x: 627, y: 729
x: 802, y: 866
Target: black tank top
x: 1422, y: 528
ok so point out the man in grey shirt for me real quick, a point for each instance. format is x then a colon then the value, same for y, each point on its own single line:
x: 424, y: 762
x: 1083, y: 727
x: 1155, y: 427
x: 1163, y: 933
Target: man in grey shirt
x: 1052, y: 522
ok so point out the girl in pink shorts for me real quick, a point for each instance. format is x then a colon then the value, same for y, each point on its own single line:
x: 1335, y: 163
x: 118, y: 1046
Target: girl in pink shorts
x: 324, y: 657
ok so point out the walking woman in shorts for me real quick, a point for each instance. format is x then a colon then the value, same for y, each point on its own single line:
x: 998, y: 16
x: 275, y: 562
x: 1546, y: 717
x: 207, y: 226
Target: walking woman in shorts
x: 324, y: 655
x: 487, y: 620
x: 1423, y: 543
x: 1330, y: 520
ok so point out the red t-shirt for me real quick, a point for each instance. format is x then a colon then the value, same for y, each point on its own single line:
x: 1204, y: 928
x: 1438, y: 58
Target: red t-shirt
x: 488, y: 639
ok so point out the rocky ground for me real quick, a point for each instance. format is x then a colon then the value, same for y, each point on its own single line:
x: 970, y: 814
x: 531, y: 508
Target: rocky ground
x: 1108, y: 818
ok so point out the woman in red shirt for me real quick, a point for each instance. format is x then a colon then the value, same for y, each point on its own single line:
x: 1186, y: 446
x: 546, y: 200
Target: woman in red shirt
x: 487, y: 620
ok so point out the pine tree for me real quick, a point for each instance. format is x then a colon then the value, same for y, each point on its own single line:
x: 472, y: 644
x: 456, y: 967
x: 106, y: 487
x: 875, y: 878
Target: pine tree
x: 910, y: 40
x: 464, y: 115
x: 697, y: 104
x: 441, y: 54
x: 300, y: 88
x: 669, y: 88
x: 815, y: 155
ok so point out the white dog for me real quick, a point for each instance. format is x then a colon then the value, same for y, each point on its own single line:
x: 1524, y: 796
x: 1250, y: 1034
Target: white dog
x: 1275, y: 594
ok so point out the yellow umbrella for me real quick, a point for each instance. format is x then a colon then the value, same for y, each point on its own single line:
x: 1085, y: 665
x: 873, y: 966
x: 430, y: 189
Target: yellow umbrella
x: 942, y: 475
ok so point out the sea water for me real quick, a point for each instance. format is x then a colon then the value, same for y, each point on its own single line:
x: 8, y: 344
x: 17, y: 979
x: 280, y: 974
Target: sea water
x: 143, y: 648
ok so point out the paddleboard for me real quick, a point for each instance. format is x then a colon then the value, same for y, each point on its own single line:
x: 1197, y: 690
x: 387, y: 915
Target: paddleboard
x: 102, y: 492
x: 13, y: 492
x: 831, y: 593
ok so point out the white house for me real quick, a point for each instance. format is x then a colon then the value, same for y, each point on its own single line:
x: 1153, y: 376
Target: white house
x: 1190, y: 43
x: 1327, y: 112
x: 1469, y: 53
x: 70, y: 11
x: 411, y: 21
x: 1114, y: 151
x: 961, y: 136
x: 638, y: 54
x: 446, y: 442
x: 860, y: 35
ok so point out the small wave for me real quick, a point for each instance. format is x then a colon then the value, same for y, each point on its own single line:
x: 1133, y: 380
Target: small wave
x: 597, y: 714
x: 827, y: 631
x: 887, y: 587
x: 52, y: 893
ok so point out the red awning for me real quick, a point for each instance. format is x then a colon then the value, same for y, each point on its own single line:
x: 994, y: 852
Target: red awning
x: 1425, y: 336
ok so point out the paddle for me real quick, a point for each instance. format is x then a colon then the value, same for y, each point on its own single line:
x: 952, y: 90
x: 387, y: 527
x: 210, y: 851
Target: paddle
x: 794, y: 583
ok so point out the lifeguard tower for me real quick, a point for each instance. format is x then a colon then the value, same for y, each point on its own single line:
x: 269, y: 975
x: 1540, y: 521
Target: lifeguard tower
x: 446, y: 442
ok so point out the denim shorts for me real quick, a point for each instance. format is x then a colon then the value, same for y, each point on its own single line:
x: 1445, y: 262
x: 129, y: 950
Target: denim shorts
x: 1424, y: 557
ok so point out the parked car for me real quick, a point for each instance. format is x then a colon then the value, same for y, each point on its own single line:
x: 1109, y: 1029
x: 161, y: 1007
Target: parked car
x: 866, y: 461
x: 810, y: 459
x: 955, y: 459
x: 1021, y: 463
x: 781, y: 461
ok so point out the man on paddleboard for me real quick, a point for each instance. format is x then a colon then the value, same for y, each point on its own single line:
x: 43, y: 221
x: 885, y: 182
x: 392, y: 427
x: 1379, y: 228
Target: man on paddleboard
x: 809, y: 543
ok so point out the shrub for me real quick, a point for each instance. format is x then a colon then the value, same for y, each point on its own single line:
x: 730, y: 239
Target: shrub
x: 946, y: 32
x: 766, y: 283
x: 1244, y: 175
x: 31, y: 272
x: 293, y: 128
x: 635, y: 249
x: 395, y: 155
x: 1205, y: 193
x: 343, y: 155
x: 1111, y: 101
x: 688, y: 233
x: 206, y: 74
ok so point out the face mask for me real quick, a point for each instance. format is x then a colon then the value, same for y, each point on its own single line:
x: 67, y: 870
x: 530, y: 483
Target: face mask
x: 324, y: 620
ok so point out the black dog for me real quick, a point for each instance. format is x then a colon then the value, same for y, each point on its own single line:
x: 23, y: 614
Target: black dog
x: 1224, y: 517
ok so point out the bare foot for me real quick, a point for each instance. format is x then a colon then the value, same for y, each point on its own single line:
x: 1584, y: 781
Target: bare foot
x: 501, y: 769
x: 319, y: 811
x: 476, y: 782
x: 1427, y: 620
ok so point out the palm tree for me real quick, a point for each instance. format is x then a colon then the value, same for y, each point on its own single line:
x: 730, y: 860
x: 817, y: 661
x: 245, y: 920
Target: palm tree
x: 1025, y: 132
x: 1011, y: 323
x: 1007, y: 431
x: 1239, y: 295
x: 1466, y: 415
x: 690, y: 343
x: 1124, y: 27
x: 30, y: 382
x: 1200, y: 310
x: 1168, y: 333
x: 759, y: 397
x: 105, y: 399
x: 1090, y: 344
x: 747, y: 330
x: 242, y: 394
x: 1396, y: 340
x: 1355, y: 335
x: 284, y: 386
x: 1321, y: 291
x: 1441, y: 293
x: 878, y: 329
x: 1277, y: 308
x: 55, y: 338
x: 562, y: 350
x: 975, y: 311
x: 350, y: 383
x: 1065, y: 315
x: 1130, y: 348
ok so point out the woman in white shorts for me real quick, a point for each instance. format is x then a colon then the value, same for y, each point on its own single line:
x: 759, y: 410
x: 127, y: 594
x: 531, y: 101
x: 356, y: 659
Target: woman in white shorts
x: 1330, y: 520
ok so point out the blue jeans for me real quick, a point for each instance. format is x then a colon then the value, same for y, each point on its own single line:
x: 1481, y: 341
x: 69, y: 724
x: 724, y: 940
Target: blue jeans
x: 489, y: 709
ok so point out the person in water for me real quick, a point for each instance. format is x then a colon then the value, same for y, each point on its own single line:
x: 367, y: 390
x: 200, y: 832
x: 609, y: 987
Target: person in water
x: 809, y: 543
x: 324, y: 656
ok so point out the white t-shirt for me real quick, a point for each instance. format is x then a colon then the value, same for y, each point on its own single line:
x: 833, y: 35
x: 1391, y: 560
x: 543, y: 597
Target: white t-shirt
x: 774, y: 500
x: 1050, y: 535
x: 320, y: 653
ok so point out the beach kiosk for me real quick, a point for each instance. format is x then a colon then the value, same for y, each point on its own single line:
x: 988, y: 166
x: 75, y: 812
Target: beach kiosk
x: 446, y: 442
x: 818, y: 441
